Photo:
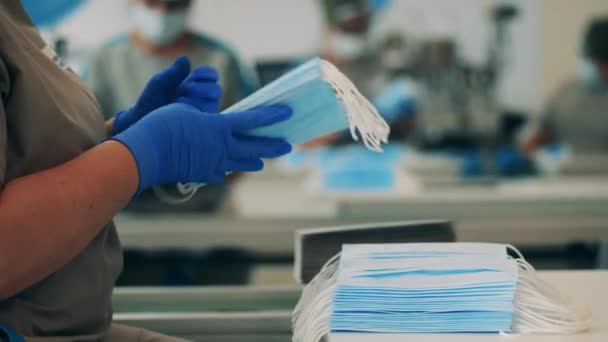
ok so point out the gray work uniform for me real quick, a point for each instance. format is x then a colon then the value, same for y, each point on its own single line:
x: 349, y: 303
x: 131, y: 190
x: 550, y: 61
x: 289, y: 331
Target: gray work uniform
x: 578, y: 116
x: 118, y: 71
x: 48, y: 117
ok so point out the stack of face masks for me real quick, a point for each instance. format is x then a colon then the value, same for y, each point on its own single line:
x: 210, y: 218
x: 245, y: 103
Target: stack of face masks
x: 323, y: 101
x: 431, y: 288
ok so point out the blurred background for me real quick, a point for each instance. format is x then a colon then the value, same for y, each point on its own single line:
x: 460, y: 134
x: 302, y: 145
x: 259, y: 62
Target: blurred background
x: 498, y: 112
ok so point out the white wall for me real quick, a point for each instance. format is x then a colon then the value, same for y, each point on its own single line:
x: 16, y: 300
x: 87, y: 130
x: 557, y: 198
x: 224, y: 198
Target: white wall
x: 522, y: 79
x: 278, y: 28
x: 257, y: 28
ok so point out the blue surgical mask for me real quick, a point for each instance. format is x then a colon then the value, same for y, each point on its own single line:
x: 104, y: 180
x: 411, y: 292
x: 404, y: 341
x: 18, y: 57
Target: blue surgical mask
x: 588, y: 73
x: 323, y: 101
x: 158, y: 27
x: 431, y: 288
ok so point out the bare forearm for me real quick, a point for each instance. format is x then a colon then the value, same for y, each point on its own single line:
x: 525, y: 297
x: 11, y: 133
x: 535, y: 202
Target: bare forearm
x: 536, y: 141
x: 47, y: 218
x: 109, y: 127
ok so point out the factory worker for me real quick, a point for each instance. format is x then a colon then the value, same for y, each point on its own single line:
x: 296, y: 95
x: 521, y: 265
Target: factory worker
x: 64, y: 173
x: 577, y: 114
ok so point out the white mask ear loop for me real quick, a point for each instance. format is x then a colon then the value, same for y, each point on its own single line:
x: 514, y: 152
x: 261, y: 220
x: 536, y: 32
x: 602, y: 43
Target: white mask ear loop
x: 362, y: 116
x: 314, y: 322
x: 310, y: 318
x: 540, y: 308
x: 187, y: 191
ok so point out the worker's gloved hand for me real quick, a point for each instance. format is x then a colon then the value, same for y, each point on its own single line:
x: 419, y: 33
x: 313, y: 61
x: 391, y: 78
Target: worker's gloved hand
x: 176, y: 83
x: 201, y: 90
x: 178, y: 143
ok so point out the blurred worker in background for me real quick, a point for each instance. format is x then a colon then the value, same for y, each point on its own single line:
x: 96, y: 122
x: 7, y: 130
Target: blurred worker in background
x: 578, y: 113
x: 347, y: 43
x: 119, y: 70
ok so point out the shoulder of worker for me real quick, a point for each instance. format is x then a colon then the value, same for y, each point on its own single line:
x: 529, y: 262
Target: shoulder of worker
x: 5, y: 80
x: 565, y: 94
x: 217, y: 45
x: 99, y: 57
x: 570, y: 86
x: 246, y: 77
x: 14, y: 11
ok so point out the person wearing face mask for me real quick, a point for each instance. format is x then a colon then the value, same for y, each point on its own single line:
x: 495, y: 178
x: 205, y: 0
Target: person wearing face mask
x: 577, y: 114
x: 347, y: 44
x: 118, y: 71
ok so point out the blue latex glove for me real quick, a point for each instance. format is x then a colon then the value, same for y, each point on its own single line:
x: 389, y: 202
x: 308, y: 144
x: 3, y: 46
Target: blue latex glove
x: 512, y: 162
x: 178, y: 143
x: 176, y: 83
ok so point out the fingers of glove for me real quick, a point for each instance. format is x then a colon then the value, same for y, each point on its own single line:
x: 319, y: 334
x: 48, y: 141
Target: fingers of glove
x: 244, y: 165
x: 250, y: 147
x: 172, y: 76
x: 207, y: 90
x: 205, y: 106
x: 258, y: 117
x: 203, y: 73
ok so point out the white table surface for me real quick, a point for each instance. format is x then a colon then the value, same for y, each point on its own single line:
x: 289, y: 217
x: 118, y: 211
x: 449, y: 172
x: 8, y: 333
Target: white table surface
x: 585, y: 287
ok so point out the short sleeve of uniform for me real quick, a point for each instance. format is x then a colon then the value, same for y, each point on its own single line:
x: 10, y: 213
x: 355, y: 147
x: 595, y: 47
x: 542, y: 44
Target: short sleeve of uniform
x: 4, y: 91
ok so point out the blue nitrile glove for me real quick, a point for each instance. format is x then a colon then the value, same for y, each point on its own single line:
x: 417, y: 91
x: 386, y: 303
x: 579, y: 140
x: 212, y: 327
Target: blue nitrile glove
x: 176, y: 83
x: 201, y: 90
x: 512, y: 162
x: 178, y: 143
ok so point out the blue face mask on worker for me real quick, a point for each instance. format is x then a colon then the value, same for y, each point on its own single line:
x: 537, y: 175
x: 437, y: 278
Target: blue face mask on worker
x: 159, y: 27
x: 589, y: 73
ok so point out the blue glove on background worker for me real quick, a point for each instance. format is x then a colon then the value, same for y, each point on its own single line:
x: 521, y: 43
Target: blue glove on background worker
x: 176, y: 83
x: 179, y: 143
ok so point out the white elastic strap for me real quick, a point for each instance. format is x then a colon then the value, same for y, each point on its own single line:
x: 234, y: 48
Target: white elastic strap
x: 311, y: 316
x: 540, y: 308
x: 362, y: 116
x: 187, y: 191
